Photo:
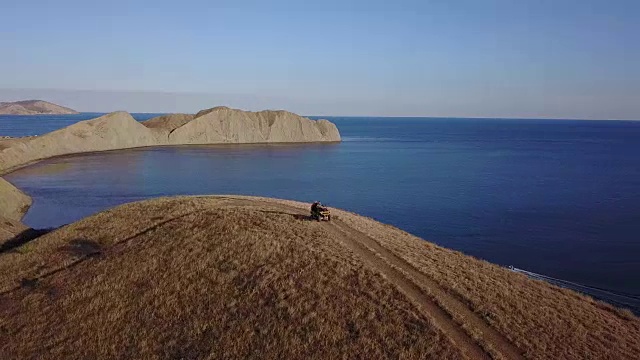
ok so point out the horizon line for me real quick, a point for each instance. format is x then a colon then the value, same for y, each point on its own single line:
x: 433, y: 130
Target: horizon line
x: 370, y: 116
x: 264, y: 100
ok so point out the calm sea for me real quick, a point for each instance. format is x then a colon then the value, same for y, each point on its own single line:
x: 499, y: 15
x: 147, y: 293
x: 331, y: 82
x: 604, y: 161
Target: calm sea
x: 557, y: 198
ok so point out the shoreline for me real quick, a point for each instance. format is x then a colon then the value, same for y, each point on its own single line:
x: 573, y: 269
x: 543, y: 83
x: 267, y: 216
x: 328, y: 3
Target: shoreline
x: 218, y: 126
x: 23, y: 213
x: 24, y: 210
x: 7, y: 171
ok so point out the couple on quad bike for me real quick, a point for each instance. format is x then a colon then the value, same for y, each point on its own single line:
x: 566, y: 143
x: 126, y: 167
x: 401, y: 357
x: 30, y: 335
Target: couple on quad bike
x: 319, y: 212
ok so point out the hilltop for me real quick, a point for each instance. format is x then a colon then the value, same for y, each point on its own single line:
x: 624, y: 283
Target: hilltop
x: 33, y: 107
x: 241, y: 277
x: 118, y: 130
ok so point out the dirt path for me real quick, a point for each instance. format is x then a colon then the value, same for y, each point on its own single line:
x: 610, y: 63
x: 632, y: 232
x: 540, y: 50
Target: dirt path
x: 490, y: 338
x: 476, y: 338
x: 425, y: 304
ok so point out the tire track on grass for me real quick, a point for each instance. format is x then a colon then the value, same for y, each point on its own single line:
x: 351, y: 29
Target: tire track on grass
x: 423, y: 302
x: 447, y: 305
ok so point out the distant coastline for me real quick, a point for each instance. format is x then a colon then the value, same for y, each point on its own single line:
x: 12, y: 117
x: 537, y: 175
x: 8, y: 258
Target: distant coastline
x: 33, y: 107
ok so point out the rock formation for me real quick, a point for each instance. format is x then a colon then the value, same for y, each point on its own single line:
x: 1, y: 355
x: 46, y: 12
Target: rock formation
x: 168, y: 122
x: 120, y: 131
x: 225, y: 125
x: 33, y: 107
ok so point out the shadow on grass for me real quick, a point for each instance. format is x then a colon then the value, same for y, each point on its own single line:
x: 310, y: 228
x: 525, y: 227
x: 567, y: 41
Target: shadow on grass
x: 82, y: 247
x: 23, y: 238
x: 295, y: 216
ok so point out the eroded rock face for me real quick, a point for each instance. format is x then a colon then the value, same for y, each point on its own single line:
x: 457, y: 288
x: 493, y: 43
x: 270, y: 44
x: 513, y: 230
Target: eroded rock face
x: 168, y: 122
x: 224, y: 125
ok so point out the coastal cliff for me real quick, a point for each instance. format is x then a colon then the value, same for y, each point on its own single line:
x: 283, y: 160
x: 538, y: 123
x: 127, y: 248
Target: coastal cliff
x: 33, y: 107
x: 118, y: 130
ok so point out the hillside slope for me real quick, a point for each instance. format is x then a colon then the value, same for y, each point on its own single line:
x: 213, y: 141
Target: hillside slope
x: 33, y: 107
x: 240, y: 277
x: 13, y: 205
x: 13, y: 202
x: 119, y: 130
x: 109, y: 132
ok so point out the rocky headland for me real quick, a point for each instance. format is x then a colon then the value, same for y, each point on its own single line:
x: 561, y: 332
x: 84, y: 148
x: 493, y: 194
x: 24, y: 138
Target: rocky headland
x: 33, y: 107
x: 119, y: 130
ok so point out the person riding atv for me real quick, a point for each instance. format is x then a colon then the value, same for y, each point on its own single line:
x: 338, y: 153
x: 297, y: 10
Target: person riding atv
x: 320, y: 212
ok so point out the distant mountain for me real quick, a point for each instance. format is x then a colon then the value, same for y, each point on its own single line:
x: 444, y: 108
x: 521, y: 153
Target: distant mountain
x: 33, y: 107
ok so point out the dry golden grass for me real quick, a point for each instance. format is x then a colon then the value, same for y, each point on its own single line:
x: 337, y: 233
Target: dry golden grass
x: 214, y: 283
x: 9, y: 229
x: 237, y: 277
x: 545, y: 321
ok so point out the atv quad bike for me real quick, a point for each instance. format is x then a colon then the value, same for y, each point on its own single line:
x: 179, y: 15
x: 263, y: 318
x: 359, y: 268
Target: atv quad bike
x: 321, y: 214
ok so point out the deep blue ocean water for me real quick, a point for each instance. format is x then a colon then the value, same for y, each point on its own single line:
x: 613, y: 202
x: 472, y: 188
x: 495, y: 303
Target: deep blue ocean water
x: 555, y: 197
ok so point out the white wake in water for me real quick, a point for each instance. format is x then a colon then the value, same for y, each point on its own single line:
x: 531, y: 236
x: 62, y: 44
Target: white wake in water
x: 631, y: 302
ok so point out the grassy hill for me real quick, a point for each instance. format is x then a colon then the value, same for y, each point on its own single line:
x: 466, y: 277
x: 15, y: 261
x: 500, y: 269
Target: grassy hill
x: 240, y: 277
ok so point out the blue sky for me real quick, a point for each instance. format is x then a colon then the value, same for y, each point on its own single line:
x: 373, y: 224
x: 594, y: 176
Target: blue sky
x: 538, y: 58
